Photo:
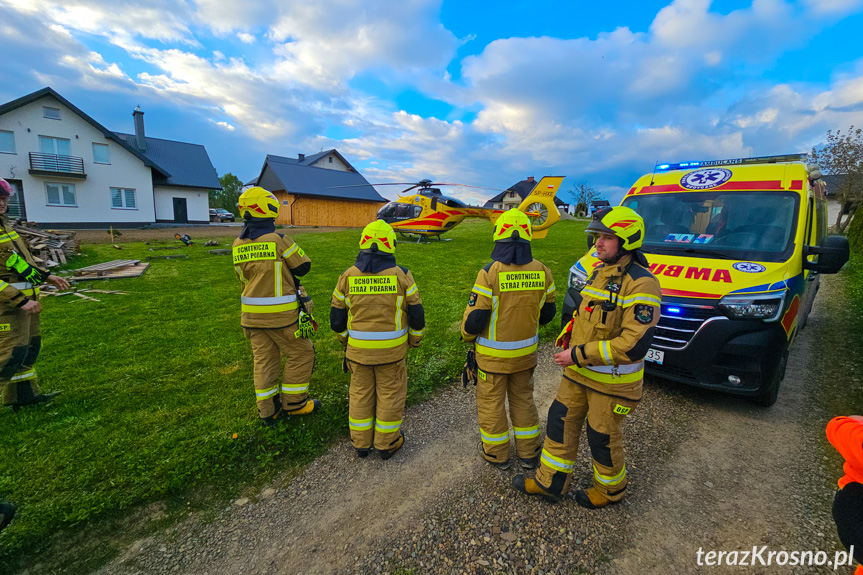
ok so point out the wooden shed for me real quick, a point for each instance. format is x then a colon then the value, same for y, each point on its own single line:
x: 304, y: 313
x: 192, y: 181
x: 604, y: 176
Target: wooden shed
x: 312, y: 192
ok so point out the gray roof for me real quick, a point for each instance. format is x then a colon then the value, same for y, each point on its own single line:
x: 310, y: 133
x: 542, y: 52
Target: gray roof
x: 188, y: 164
x: 288, y: 174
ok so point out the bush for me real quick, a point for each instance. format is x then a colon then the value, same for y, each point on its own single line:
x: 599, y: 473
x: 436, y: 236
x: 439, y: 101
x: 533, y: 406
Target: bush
x: 855, y: 235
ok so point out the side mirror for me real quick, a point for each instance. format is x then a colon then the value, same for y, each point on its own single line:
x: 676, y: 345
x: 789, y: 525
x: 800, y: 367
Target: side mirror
x: 832, y: 255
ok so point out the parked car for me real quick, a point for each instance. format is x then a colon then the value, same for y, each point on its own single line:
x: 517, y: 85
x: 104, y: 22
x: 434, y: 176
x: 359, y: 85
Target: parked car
x: 221, y: 215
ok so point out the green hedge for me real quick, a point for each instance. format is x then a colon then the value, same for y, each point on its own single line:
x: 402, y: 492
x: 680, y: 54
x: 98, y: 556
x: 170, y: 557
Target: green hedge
x: 855, y: 235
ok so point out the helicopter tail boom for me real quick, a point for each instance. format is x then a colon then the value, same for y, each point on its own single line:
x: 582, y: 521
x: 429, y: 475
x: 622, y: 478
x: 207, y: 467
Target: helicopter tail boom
x: 539, y: 205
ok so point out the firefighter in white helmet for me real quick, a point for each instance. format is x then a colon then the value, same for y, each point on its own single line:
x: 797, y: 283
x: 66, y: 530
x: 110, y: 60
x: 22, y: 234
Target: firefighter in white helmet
x: 377, y: 313
x: 603, y: 356
x: 276, y: 315
x: 511, y: 297
x: 20, y: 329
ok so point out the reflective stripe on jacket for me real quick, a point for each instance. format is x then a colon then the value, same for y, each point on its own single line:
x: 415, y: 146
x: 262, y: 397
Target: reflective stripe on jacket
x: 12, y: 289
x: 264, y: 265
x: 610, y: 344
x: 377, y: 311
x: 515, y: 295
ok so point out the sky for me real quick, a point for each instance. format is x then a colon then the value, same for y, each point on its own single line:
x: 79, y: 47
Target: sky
x: 477, y: 92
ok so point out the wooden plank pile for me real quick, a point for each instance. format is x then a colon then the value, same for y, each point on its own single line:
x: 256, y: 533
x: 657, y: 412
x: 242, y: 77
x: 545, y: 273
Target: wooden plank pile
x: 51, y: 248
x: 109, y: 270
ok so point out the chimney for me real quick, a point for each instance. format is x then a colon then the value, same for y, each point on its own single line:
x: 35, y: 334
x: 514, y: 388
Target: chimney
x: 140, y: 141
x: 301, y: 157
x: 530, y: 179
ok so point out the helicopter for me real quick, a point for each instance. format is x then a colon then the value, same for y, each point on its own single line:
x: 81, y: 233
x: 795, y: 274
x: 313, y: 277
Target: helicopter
x: 428, y: 213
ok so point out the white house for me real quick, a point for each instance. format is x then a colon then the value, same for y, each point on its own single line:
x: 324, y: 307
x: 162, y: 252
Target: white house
x: 72, y: 172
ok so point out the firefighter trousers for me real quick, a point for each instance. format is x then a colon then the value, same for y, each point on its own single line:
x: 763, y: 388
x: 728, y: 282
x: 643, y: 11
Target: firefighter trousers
x: 268, y: 347
x: 377, y: 404
x: 604, y: 413
x: 493, y: 390
x: 20, y: 342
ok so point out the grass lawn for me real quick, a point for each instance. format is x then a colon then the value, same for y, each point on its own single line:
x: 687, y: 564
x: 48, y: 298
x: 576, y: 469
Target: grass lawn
x: 158, y: 401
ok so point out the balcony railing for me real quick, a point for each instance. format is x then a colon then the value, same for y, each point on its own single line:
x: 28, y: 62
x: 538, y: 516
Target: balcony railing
x: 54, y: 164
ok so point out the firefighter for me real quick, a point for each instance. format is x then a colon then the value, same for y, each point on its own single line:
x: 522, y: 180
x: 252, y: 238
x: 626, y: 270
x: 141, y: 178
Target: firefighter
x: 377, y: 313
x: 846, y: 435
x: 604, y: 348
x: 276, y: 318
x: 511, y: 296
x: 20, y: 330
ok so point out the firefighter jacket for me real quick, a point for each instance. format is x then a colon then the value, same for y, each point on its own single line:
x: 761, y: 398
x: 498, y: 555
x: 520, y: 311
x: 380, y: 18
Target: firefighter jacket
x: 507, y: 303
x: 612, y: 328
x: 19, y: 273
x: 267, y: 266
x: 377, y: 314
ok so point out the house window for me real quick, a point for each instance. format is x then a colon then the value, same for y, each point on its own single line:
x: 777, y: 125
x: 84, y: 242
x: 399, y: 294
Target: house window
x: 61, y: 194
x: 51, y: 113
x: 123, y: 199
x: 7, y: 142
x: 55, y: 146
x: 330, y: 159
x: 100, y: 154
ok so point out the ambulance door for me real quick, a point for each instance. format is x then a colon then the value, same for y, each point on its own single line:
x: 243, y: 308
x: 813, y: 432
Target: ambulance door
x: 816, y: 227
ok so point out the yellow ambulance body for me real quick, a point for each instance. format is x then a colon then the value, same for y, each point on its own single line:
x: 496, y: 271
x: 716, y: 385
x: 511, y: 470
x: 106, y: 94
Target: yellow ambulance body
x: 737, y: 246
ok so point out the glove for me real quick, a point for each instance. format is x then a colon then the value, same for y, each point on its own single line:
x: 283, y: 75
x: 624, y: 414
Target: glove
x: 307, y: 326
x: 468, y: 374
x: 565, y: 335
x: 25, y: 270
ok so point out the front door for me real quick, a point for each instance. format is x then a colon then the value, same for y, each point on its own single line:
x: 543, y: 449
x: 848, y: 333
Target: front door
x: 180, y: 214
x: 16, y: 209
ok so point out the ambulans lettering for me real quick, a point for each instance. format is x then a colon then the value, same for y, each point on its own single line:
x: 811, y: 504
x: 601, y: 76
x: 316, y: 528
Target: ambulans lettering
x: 372, y: 285
x: 692, y: 273
x: 517, y: 281
x: 253, y: 252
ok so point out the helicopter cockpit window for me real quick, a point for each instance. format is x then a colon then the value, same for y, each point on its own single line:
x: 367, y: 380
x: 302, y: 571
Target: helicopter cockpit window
x: 404, y: 211
x: 417, y: 211
x: 388, y: 211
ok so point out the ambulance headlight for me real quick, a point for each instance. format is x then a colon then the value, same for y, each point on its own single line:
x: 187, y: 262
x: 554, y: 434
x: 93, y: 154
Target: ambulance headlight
x: 767, y: 308
x: 577, y: 279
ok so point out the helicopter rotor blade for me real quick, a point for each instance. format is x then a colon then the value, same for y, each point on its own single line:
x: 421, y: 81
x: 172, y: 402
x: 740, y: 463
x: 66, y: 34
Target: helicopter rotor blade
x: 467, y: 186
x: 373, y: 185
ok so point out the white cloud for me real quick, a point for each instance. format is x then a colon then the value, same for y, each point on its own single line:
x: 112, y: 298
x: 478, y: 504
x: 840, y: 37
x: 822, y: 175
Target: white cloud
x: 833, y: 7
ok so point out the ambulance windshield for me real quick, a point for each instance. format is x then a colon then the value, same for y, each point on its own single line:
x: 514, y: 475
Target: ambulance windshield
x: 737, y: 225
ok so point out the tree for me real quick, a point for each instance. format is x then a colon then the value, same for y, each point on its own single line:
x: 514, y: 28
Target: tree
x: 228, y: 196
x: 843, y: 156
x: 582, y: 195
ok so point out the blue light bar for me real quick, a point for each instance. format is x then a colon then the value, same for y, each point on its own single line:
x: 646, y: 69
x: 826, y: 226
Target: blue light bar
x: 731, y: 162
x: 672, y: 309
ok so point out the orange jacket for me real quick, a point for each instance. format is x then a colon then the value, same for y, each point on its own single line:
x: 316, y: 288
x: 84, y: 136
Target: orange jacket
x: 846, y: 435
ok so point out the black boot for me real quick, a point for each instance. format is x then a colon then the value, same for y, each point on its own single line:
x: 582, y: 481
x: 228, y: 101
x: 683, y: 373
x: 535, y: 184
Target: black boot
x: 36, y: 400
x: 7, y: 512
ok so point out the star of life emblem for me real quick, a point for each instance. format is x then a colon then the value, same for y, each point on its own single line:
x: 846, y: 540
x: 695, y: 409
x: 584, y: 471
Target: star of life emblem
x: 705, y: 178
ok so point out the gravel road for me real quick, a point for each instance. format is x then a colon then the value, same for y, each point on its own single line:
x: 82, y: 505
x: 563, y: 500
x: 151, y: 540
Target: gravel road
x: 707, y: 471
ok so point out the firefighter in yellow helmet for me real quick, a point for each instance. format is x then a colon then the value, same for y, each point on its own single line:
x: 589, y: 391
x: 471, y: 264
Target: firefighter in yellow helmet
x: 377, y: 313
x: 276, y: 312
x: 603, y: 356
x: 20, y: 329
x: 511, y: 296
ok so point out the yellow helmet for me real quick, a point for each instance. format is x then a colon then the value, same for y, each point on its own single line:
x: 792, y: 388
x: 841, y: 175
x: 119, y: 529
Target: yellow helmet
x: 258, y: 203
x: 513, y: 221
x: 381, y: 234
x: 625, y: 223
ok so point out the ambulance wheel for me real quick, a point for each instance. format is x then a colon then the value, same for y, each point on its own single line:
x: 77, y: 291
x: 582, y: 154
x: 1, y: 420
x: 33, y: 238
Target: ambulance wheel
x: 769, y: 397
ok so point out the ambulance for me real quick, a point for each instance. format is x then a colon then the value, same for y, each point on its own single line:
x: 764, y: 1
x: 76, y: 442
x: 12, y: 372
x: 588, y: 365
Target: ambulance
x: 738, y: 247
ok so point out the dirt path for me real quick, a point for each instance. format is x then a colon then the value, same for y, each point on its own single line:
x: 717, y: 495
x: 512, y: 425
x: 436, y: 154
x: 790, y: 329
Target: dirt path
x: 708, y: 471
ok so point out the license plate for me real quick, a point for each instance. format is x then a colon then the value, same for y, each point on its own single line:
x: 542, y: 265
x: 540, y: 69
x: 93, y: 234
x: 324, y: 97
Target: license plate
x: 655, y: 356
